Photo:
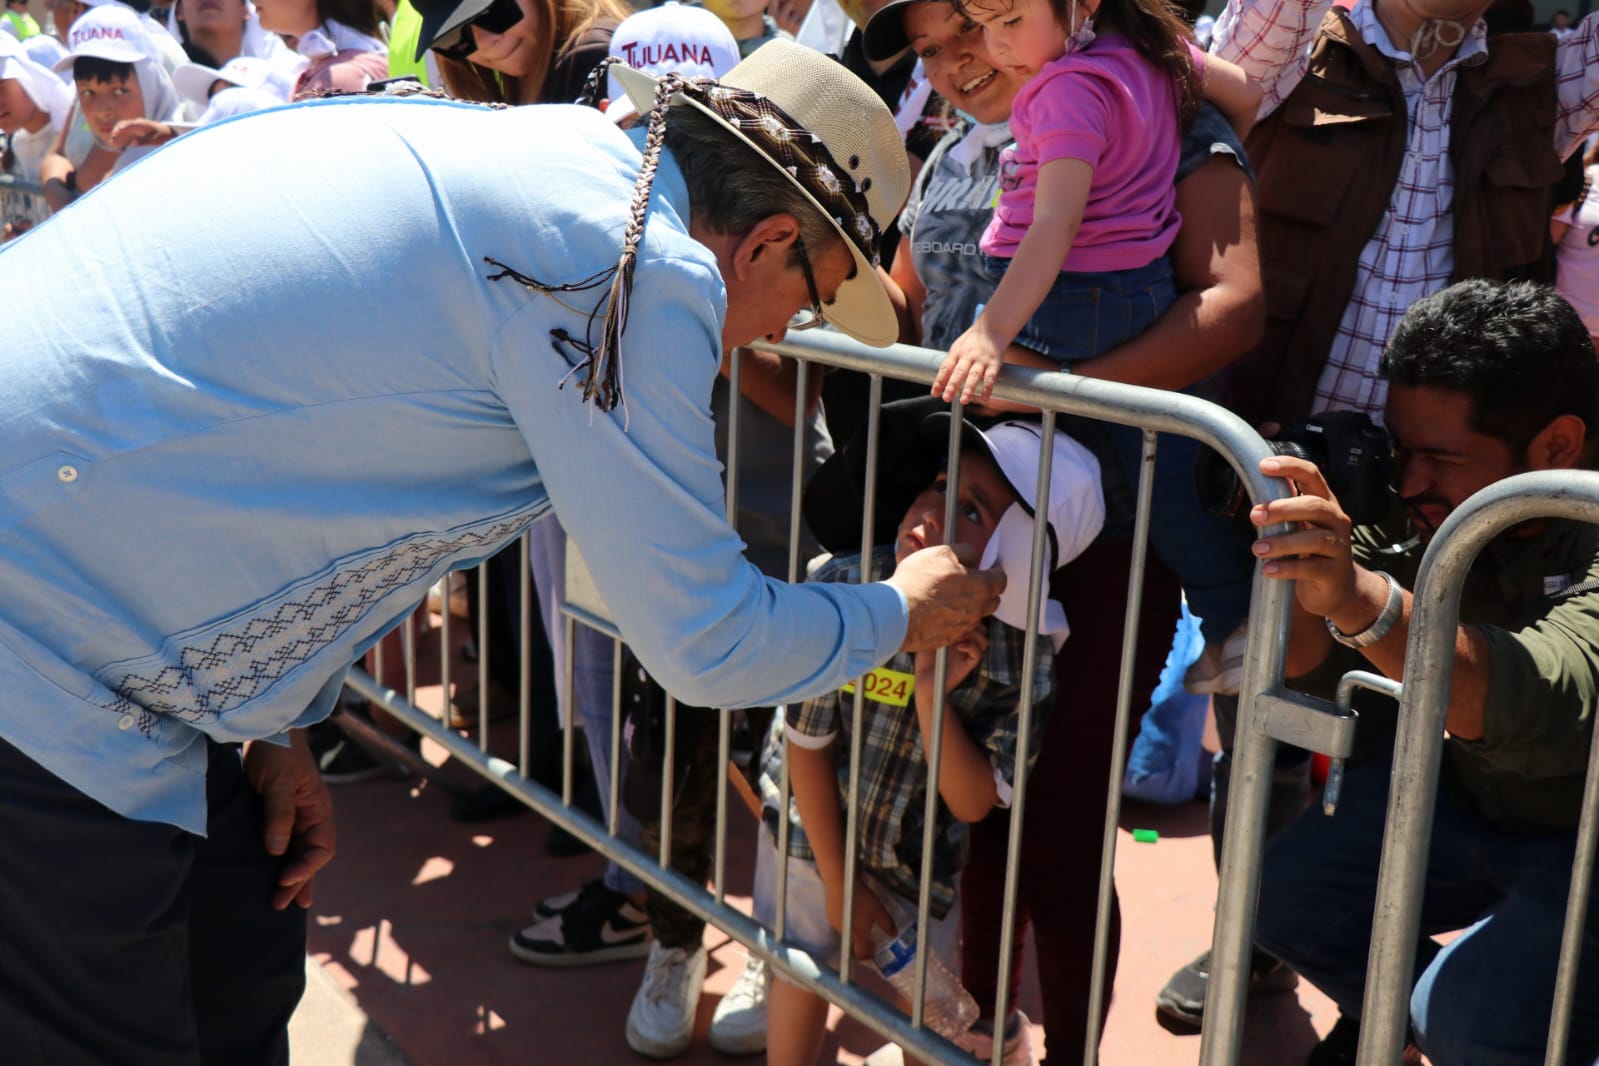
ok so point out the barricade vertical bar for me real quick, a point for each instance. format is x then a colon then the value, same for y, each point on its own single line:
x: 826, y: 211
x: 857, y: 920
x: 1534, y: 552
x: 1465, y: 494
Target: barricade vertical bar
x: 483, y: 657
x: 668, y: 779
x: 724, y: 717
x: 444, y: 650
x: 524, y: 677
x: 377, y: 662
x: 616, y: 737
x: 408, y: 651
x: 1576, y: 912
x: 935, y: 745
x: 569, y: 732
x: 1024, y: 726
x: 852, y: 821
x: 1124, y: 699
x: 785, y: 786
x: 1253, y: 752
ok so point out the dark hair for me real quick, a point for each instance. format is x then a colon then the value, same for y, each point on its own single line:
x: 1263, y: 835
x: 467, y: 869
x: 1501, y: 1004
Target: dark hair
x: 93, y: 68
x: 357, y: 14
x: 1518, y: 351
x: 1153, y: 26
x: 731, y: 186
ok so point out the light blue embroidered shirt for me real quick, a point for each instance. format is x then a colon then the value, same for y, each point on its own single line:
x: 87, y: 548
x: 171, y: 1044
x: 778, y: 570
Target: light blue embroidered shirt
x: 264, y: 395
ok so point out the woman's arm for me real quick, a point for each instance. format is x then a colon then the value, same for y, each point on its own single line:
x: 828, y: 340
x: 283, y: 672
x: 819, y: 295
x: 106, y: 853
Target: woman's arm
x: 1229, y: 88
x: 769, y: 381
x: 908, y: 294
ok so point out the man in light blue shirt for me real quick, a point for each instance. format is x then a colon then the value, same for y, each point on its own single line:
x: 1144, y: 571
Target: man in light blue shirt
x: 243, y: 437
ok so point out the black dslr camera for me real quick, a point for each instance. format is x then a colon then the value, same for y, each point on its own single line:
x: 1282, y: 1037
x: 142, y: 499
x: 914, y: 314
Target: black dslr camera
x: 1352, y: 452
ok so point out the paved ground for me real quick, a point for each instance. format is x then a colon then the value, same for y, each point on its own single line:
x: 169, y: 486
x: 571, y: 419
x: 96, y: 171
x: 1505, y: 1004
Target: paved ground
x: 411, y: 921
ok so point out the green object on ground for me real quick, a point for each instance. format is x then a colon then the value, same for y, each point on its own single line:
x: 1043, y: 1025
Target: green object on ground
x: 1146, y: 836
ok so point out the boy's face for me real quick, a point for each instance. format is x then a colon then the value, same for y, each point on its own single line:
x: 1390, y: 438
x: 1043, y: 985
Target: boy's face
x: 105, y: 103
x: 982, y: 497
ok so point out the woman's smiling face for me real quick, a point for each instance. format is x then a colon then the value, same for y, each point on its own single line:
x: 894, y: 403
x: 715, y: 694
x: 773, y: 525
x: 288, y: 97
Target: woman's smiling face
x: 952, y: 52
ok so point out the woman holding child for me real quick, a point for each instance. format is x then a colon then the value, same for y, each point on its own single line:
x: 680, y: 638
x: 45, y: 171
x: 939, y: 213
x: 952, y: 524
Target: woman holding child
x: 1217, y: 314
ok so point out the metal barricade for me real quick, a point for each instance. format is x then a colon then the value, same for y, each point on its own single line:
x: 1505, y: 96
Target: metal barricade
x: 1267, y: 713
x: 21, y: 201
x: 1418, y: 749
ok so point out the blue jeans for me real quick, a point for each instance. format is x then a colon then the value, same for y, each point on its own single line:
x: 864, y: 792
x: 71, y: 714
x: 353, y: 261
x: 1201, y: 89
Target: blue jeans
x: 1088, y: 314
x: 1485, y: 999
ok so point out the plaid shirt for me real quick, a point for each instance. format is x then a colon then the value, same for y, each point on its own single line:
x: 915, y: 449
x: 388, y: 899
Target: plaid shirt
x: 1411, y: 254
x: 893, y: 766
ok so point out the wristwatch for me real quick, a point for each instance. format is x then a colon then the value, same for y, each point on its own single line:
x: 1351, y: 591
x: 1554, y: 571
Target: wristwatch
x: 1383, y: 623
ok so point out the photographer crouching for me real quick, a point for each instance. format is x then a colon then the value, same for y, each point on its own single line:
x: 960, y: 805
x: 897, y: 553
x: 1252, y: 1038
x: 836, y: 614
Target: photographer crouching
x: 1485, y: 381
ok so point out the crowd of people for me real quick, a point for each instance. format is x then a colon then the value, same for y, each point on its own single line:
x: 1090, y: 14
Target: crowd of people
x: 1381, y: 211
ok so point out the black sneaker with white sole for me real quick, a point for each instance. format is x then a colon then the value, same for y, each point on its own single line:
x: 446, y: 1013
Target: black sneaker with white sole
x: 595, y: 925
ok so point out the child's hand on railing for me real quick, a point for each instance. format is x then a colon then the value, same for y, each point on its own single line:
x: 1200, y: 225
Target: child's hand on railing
x: 972, y: 365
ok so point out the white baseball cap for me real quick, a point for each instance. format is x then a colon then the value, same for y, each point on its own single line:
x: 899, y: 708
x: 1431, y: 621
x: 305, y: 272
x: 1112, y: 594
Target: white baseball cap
x: 112, y: 32
x: 194, y: 80
x: 1075, y: 512
x: 671, y: 39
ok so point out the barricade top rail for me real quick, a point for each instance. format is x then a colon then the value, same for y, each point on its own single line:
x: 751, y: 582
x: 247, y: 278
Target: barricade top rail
x: 1134, y: 405
x: 1423, y: 708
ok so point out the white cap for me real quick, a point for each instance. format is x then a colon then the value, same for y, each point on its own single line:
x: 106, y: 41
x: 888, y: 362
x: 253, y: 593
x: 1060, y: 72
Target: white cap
x: 1076, y: 513
x: 670, y: 39
x: 110, y: 31
x: 194, y: 80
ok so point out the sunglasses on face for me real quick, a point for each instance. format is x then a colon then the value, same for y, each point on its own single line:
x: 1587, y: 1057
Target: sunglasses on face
x: 459, y: 43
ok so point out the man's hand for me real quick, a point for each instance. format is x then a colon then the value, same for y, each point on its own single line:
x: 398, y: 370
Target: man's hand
x: 945, y: 597
x: 869, y: 914
x: 297, y: 814
x: 1317, y: 555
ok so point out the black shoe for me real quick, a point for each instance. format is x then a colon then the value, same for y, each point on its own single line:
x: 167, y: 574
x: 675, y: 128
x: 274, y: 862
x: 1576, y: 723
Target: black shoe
x: 486, y: 804
x: 599, y: 925
x: 1337, y: 1048
x: 1181, y: 1003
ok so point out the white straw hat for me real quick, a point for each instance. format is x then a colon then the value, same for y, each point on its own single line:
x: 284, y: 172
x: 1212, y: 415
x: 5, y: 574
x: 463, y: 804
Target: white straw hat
x: 855, y: 130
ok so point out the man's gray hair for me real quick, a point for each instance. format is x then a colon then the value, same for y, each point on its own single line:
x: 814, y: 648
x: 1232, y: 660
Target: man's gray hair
x: 732, y: 186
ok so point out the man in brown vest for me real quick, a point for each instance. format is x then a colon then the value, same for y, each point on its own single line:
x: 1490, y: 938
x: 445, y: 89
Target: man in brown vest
x: 1400, y: 152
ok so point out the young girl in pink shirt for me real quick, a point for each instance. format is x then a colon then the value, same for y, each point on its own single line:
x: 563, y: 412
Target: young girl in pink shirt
x: 1078, y: 243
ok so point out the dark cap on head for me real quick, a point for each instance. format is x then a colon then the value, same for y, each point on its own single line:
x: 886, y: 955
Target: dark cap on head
x: 884, y: 36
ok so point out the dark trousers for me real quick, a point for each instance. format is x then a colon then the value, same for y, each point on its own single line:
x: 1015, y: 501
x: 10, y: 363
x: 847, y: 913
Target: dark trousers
x: 697, y: 778
x: 135, y: 942
x: 1065, y: 812
x: 1484, y: 1000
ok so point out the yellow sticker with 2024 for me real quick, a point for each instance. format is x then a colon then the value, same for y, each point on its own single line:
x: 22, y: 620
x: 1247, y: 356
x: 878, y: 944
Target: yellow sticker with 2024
x: 888, y: 686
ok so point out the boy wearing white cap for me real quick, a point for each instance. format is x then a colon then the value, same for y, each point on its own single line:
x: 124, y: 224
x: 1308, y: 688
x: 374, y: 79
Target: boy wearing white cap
x: 995, y: 511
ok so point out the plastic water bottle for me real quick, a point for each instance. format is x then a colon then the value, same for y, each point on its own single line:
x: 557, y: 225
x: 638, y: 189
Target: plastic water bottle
x: 949, y: 1009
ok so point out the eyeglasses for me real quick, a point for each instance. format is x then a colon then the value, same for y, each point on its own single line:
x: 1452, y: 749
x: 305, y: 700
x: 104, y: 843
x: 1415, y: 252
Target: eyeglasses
x: 812, y: 316
x: 459, y: 42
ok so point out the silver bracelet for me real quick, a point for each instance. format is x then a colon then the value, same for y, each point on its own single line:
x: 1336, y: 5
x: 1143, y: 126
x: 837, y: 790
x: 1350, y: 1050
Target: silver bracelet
x: 1383, y: 623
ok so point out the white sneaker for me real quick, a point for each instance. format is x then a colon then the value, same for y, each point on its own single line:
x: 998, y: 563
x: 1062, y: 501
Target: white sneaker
x: 739, y: 1025
x: 1018, y: 1042
x: 660, y: 1023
